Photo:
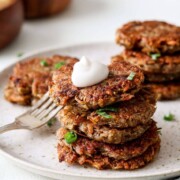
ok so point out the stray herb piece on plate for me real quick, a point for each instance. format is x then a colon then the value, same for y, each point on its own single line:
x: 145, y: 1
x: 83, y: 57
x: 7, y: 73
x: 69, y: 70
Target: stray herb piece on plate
x: 44, y: 63
x: 51, y: 122
x: 70, y: 137
x: 131, y: 76
x: 59, y: 65
x: 155, y: 56
x: 169, y: 117
x: 20, y: 54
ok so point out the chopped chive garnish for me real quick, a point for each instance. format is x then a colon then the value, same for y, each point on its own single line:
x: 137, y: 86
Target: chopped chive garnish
x: 104, y: 114
x: 108, y: 108
x: 155, y: 56
x: 43, y: 63
x: 59, y: 65
x: 51, y: 122
x: 70, y: 137
x: 20, y: 54
x: 131, y: 76
x: 169, y: 117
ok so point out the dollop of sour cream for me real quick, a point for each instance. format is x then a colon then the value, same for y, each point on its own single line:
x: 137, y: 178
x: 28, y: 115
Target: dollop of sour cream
x: 87, y: 73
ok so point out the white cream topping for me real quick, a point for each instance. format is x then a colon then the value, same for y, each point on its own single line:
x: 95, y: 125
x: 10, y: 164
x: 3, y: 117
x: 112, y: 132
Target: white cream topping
x: 87, y: 73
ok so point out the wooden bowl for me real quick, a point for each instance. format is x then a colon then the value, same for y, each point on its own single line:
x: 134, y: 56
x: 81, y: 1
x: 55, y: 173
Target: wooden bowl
x: 11, y: 19
x: 44, y: 8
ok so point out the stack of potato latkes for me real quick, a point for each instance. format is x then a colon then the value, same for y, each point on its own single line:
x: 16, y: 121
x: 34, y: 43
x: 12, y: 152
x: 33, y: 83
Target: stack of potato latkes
x: 154, y: 46
x: 30, y: 79
x: 107, y: 125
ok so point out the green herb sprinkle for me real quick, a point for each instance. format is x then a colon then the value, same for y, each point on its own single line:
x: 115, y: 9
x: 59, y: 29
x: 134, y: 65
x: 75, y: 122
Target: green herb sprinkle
x: 169, y: 117
x: 20, y: 54
x: 44, y: 63
x: 70, y: 137
x: 155, y: 56
x: 51, y: 122
x: 59, y: 65
x: 131, y: 76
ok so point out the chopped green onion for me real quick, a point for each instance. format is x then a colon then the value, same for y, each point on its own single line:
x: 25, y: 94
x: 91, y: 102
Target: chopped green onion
x: 70, y: 137
x: 44, y: 63
x: 169, y: 117
x: 51, y: 122
x: 20, y: 54
x: 59, y: 65
x: 131, y: 76
x: 155, y: 56
x: 108, y: 108
x: 103, y: 114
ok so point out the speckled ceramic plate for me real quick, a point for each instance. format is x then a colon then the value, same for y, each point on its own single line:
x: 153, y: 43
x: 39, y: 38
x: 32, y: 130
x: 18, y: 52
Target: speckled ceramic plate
x: 36, y: 150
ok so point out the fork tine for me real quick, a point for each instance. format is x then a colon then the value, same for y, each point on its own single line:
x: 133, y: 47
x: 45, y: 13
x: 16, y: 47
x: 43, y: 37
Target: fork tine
x: 46, y: 111
x: 43, y: 107
x: 37, y: 116
x: 40, y: 102
x: 52, y: 113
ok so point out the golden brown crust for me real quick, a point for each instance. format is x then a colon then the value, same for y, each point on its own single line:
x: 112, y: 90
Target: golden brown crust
x: 166, y: 91
x: 30, y: 79
x: 14, y: 97
x: 165, y: 64
x: 113, y: 89
x: 161, y: 70
x: 161, y: 78
x: 130, y: 113
x: 103, y: 133
x: 88, y: 147
x: 68, y: 155
x: 61, y: 88
x: 149, y: 36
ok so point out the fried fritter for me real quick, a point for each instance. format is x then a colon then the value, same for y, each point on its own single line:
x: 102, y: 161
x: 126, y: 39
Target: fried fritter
x: 67, y: 154
x: 165, y: 64
x: 30, y: 79
x: 103, y: 133
x: 149, y: 36
x: 166, y: 91
x: 125, y: 114
x: 161, y: 78
x: 113, y: 89
x: 161, y: 70
x: 88, y: 147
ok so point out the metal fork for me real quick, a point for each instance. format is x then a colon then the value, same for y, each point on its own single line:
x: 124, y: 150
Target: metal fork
x: 37, y: 116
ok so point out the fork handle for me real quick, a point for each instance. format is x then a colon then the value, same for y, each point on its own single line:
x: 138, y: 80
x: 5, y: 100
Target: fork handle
x: 8, y: 127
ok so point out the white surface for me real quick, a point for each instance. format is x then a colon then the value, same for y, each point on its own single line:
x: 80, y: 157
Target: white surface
x: 84, y: 21
x: 36, y: 150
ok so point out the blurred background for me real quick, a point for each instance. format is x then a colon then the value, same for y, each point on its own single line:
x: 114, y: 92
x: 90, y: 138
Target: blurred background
x: 78, y: 21
x: 36, y: 24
